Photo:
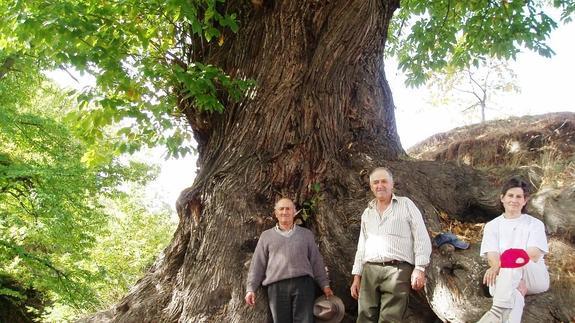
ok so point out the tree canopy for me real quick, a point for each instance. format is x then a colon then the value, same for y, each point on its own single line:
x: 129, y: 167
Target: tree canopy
x: 148, y: 56
x: 139, y: 53
x: 462, y: 33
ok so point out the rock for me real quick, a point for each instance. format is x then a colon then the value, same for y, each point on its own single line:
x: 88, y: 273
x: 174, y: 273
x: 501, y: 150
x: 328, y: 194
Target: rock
x: 446, y: 249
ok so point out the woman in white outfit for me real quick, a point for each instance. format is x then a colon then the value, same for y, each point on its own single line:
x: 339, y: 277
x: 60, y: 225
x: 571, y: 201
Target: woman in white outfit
x: 518, y: 230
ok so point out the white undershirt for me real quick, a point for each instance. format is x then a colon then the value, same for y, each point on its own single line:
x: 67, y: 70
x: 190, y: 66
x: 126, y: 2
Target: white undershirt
x: 510, y: 234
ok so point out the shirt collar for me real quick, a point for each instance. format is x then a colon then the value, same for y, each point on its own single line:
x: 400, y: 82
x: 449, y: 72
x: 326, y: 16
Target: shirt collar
x: 373, y: 203
x: 288, y: 231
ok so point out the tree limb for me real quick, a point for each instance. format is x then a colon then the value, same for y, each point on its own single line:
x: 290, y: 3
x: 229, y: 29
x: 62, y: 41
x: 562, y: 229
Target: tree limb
x: 68, y: 72
x: 447, y: 13
x: 7, y: 66
x: 21, y: 252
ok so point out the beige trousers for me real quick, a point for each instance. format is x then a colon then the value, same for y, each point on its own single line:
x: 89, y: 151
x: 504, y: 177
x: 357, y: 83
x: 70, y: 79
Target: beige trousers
x: 505, y: 293
x: 384, y: 293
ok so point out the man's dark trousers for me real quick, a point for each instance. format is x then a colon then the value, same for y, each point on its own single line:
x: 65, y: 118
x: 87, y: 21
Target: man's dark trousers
x: 291, y: 300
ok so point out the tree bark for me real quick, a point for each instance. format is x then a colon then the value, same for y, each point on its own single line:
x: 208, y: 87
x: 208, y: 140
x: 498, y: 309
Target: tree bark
x: 322, y: 113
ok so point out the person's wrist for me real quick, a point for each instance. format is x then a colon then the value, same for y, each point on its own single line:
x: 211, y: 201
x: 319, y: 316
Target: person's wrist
x: 420, y: 268
x: 494, y: 270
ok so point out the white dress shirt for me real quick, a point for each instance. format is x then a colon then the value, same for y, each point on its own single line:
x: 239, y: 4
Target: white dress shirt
x: 397, y: 234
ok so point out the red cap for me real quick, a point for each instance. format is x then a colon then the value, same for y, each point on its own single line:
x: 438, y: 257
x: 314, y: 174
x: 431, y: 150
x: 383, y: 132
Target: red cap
x: 514, y: 258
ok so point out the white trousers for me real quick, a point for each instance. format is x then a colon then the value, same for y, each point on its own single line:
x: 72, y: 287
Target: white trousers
x: 505, y: 293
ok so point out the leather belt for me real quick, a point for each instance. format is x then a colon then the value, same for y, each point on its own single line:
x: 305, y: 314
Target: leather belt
x: 387, y: 263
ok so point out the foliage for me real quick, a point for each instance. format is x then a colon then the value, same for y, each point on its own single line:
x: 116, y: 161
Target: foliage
x: 48, y: 213
x: 131, y: 244
x: 126, y: 248
x: 310, y: 206
x: 474, y: 87
x: 147, y: 55
x: 142, y: 56
x: 53, y: 206
x: 427, y: 36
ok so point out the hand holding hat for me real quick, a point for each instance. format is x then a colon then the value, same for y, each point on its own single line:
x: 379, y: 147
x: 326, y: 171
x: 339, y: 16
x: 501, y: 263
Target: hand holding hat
x: 328, y: 310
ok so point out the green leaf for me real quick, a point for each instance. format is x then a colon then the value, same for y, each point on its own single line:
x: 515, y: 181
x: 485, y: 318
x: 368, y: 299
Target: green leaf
x: 12, y: 293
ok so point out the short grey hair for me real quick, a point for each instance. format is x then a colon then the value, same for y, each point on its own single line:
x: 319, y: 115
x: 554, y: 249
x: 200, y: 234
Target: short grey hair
x: 287, y: 199
x: 379, y: 169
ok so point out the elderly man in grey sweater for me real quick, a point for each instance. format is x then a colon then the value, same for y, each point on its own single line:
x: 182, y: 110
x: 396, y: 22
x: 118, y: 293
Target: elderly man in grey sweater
x: 287, y: 261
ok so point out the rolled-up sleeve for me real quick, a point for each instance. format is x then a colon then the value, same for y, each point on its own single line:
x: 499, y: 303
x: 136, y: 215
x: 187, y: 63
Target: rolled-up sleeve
x: 490, y: 240
x: 421, y: 241
x: 537, y: 237
x: 360, y: 252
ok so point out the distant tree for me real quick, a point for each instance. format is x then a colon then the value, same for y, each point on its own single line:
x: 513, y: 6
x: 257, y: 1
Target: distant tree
x: 54, y: 219
x: 124, y: 250
x: 473, y: 87
x: 39, y: 200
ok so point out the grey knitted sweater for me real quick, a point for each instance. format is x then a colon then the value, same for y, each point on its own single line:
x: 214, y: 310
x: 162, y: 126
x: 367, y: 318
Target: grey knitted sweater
x: 278, y: 257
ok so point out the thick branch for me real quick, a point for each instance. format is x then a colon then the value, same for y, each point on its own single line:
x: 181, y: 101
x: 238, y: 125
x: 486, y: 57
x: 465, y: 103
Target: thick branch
x: 7, y: 66
x: 19, y: 250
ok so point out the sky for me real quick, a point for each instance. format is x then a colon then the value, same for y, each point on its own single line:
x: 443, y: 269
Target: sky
x: 546, y: 86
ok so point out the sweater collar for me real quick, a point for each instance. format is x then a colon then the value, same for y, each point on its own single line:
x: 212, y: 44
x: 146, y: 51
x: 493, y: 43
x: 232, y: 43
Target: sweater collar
x: 285, y: 233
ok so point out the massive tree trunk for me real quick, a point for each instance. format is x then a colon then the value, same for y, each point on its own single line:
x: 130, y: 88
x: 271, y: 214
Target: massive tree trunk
x: 322, y: 114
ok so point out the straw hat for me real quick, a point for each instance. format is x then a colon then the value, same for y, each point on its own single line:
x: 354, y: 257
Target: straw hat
x: 328, y: 310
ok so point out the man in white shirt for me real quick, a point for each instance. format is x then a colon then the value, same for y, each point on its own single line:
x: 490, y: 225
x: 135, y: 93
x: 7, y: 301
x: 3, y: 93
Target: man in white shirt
x: 392, y: 252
